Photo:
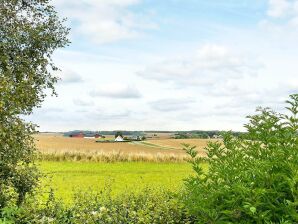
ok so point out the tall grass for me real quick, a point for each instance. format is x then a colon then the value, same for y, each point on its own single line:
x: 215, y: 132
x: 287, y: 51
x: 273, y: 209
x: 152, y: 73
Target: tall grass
x: 111, y: 157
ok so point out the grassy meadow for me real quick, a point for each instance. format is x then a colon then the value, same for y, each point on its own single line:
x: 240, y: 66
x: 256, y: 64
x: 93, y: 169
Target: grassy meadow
x: 77, y: 164
x: 68, y: 177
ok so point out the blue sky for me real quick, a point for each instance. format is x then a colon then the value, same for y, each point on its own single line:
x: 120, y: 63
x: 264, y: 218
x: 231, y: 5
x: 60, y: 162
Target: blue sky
x: 172, y: 64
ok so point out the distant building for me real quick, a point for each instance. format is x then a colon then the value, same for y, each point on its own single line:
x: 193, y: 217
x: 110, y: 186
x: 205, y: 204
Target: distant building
x: 217, y: 136
x: 94, y: 136
x: 119, y: 139
x: 77, y: 135
x: 135, y: 138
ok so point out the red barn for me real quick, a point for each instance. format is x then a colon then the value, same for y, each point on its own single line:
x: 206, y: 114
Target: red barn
x: 77, y: 135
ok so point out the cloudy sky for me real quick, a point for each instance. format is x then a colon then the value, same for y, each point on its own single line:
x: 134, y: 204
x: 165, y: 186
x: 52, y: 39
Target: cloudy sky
x: 172, y: 64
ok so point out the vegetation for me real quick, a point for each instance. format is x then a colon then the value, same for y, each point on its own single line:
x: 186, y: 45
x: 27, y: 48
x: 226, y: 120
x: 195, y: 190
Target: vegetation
x: 120, y: 177
x: 195, y: 134
x: 191, y: 135
x: 92, y: 133
x: 149, y: 206
x: 251, y: 179
x: 30, y: 31
x: 112, y: 157
x: 118, y: 133
x: 201, y: 134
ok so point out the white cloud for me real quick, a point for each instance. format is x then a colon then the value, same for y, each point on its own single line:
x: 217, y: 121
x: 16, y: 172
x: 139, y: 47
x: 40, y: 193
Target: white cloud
x: 282, y: 14
x: 109, y: 115
x: 210, y: 64
x: 116, y: 90
x: 171, y: 105
x: 278, y: 8
x: 83, y: 102
x: 104, y: 21
x: 69, y: 76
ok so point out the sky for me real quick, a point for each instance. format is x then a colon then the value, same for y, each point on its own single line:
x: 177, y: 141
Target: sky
x: 171, y: 64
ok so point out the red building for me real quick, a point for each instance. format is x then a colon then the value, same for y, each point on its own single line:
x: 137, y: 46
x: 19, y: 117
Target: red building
x: 77, y: 135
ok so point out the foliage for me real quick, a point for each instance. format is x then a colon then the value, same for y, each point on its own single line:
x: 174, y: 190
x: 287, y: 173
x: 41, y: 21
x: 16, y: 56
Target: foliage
x: 147, y: 207
x: 118, y: 133
x: 30, y: 31
x: 191, y: 136
x: 197, y: 134
x: 253, y: 178
x: 92, y: 133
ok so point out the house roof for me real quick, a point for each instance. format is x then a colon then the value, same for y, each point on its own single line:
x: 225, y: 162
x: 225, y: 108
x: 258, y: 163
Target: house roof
x: 119, y: 138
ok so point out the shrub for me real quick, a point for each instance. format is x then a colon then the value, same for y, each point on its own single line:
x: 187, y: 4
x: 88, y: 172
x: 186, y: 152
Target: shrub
x: 150, y: 206
x: 251, y: 178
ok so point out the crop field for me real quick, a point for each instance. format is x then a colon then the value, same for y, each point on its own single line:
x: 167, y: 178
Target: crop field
x: 68, y: 177
x: 57, y: 148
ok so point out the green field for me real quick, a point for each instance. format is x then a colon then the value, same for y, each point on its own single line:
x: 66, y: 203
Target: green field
x: 68, y: 177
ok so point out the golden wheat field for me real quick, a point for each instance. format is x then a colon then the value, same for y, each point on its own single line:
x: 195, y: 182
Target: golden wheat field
x: 58, y: 147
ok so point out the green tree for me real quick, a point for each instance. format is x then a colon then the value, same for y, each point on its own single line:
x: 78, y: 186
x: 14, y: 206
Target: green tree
x: 30, y: 31
x: 118, y: 133
x: 251, y: 178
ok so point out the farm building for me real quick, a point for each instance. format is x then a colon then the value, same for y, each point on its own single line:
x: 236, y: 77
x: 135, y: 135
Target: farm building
x: 137, y: 138
x: 119, y: 139
x: 77, y: 135
x: 94, y: 136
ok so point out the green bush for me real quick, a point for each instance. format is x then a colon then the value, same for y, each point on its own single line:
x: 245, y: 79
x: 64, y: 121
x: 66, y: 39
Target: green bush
x: 251, y: 178
x: 150, y: 206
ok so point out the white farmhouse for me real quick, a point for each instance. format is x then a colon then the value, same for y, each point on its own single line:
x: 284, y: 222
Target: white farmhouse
x: 119, y: 139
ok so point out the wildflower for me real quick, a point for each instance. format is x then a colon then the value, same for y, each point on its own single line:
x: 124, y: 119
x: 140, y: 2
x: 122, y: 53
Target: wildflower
x: 46, y: 219
x: 94, y: 213
x: 103, y: 209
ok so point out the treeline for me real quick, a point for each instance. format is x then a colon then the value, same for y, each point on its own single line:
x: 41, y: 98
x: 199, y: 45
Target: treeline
x: 174, y: 134
x: 202, y: 134
x: 92, y: 133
